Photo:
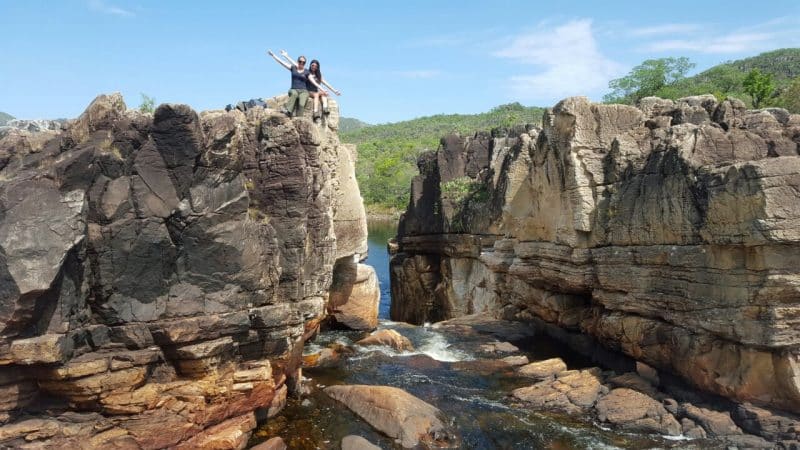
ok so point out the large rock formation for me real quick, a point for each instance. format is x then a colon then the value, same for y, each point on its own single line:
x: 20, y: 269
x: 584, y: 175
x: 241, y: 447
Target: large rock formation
x: 670, y: 232
x: 159, y: 274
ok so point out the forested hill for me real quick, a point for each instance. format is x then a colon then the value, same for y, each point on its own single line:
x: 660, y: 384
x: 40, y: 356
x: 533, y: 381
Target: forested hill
x: 783, y: 63
x: 5, y: 117
x: 347, y: 124
x: 387, y: 153
x: 768, y: 79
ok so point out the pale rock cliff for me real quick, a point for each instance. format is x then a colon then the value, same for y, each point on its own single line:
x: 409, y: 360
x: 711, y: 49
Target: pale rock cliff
x: 160, y: 274
x: 670, y: 232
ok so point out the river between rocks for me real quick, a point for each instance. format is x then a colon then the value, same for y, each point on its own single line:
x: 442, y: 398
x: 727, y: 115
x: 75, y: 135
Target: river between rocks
x: 449, y: 370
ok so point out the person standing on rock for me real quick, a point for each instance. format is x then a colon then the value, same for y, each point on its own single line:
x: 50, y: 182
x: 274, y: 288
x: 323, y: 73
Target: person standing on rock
x: 315, y: 90
x: 298, y: 93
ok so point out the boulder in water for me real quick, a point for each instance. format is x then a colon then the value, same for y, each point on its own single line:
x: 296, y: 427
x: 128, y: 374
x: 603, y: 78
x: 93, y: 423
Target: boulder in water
x: 634, y: 411
x: 389, y: 338
x: 354, y: 442
x: 396, y: 413
x: 542, y: 370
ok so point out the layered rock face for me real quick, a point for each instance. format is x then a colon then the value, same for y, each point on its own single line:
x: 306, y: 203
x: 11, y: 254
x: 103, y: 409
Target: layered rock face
x: 670, y: 232
x: 159, y: 274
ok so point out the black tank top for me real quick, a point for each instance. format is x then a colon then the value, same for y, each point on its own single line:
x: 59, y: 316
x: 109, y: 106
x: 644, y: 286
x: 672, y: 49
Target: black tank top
x: 299, y: 79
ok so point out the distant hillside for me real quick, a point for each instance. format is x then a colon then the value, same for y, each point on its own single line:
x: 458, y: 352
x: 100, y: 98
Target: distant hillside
x: 347, y: 124
x: 5, y: 117
x: 726, y: 80
x: 387, y: 153
x: 783, y: 64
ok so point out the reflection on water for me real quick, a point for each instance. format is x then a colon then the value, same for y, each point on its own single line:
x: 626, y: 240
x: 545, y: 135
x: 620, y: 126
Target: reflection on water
x: 379, y: 233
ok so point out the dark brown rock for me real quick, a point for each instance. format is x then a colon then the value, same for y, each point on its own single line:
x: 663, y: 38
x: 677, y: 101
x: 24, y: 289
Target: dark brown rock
x: 153, y: 265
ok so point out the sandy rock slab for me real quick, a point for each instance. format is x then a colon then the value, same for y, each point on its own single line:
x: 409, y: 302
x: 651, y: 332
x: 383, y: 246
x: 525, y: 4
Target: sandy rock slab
x: 389, y: 338
x: 275, y: 443
x: 355, y: 295
x: 571, y: 392
x: 634, y: 411
x: 353, y: 442
x: 396, y: 413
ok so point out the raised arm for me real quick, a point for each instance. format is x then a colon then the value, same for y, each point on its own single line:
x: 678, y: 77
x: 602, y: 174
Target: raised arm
x: 314, y: 81
x: 333, y: 89
x: 279, y: 61
x: 291, y: 62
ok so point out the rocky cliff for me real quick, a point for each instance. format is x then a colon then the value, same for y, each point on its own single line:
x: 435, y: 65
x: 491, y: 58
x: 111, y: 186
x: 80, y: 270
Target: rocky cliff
x: 160, y: 273
x: 669, y: 231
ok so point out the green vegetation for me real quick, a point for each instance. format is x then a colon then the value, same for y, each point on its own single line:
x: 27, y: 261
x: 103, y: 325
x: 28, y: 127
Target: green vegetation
x: 723, y: 80
x: 790, y: 97
x: 759, y: 86
x: 387, y: 153
x: 148, y: 104
x: 647, y: 79
x: 460, y: 188
x: 4, y: 118
x: 347, y: 124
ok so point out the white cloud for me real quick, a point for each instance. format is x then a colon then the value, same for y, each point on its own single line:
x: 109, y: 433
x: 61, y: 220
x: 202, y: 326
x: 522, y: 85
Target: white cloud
x: 667, y: 28
x: 570, y: 62
x: 106, y: 8
x: 758, y: 37
x: 732, y: 43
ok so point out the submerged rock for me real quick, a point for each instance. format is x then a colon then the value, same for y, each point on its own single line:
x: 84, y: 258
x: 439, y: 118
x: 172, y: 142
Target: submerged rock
x: 396, y: 413
x: 357, y: 443
x: 389, y: 338
x: 275, y: 443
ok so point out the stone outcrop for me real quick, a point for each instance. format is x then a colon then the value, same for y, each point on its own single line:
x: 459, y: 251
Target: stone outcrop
x: 668, y: 231
x: 388, y: 338
x: 396, y: 413
x: 354, y: 296
x: 160, y: 273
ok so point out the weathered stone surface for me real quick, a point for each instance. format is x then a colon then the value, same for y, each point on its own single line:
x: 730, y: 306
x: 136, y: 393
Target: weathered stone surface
x: 668, y: 231
x: 231, y: 434
x: 357, y: 443
x: 394, y: 412
x: 515, y: 360
x: 542, y: 370
x: 389, y: 338
x: 634, y: 411
x: 275, y: 443
x: 152, y: 265
x: 572, y: 392
x: 716, y: 423
x: 355, y: 295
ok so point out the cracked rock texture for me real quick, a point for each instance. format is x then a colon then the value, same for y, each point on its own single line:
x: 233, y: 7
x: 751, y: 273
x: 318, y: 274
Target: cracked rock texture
x: 160, y: 273
x: 668, y: 231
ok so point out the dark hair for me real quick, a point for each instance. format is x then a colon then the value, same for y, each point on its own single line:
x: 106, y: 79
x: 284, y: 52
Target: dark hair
x: 317, y: 75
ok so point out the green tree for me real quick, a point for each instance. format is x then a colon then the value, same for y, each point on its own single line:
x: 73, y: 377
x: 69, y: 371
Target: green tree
x: 647, y: 79
x: 790, y: 97
x: 724, y: 77
x: 148, y: 104
x: 759, y: 86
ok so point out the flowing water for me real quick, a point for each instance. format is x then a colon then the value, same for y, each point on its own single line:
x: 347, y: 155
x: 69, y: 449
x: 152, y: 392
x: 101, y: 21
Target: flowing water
x: 448, y: 370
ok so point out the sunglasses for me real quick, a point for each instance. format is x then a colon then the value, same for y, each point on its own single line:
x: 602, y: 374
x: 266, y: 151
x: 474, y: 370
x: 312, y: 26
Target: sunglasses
x: 301, y: 61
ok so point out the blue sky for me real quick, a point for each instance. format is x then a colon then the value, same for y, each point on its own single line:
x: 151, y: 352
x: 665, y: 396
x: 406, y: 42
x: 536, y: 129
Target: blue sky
x: 391, y: 60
